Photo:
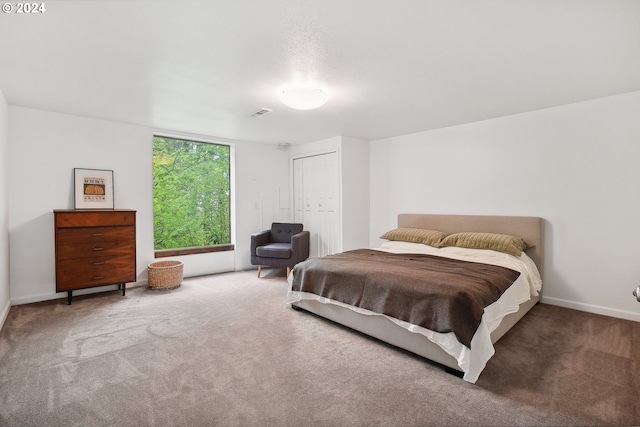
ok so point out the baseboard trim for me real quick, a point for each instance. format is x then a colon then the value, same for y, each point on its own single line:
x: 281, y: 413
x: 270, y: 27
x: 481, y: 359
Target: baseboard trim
x: 589, y: 308
x: 595, y: 309
x: 5, y: 313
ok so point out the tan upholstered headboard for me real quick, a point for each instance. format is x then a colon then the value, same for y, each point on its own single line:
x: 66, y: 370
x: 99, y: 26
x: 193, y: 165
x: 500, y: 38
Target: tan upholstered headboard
x: 529, y: 228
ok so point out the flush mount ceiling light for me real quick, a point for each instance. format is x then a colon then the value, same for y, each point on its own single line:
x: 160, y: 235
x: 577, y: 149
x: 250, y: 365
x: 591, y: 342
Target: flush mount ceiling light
x: 304, y: 98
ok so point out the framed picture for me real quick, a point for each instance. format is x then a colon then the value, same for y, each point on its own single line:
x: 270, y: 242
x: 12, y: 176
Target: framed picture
x: 93, y: 188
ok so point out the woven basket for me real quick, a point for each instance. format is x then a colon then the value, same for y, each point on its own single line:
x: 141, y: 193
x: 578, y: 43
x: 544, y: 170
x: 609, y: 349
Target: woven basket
x: 165, y: 274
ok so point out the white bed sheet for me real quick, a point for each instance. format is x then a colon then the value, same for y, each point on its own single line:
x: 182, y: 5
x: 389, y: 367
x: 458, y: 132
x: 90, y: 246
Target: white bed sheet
x: 473, y: 361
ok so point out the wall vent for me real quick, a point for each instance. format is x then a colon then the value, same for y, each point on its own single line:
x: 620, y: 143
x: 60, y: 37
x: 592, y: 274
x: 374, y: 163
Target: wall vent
x: 261, y: 111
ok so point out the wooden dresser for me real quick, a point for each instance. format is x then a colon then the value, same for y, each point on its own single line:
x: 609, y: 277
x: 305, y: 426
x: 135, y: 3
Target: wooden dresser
x: 94, y: 248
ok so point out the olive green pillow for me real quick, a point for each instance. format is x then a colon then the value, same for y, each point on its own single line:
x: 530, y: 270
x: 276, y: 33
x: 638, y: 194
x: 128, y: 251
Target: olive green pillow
x: 512, y: 245
x: 415, y: 235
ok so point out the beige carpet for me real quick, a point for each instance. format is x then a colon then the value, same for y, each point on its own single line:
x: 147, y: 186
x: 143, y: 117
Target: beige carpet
x: 223, y: 350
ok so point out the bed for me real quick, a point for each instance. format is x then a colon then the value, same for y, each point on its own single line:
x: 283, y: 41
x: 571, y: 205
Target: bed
x: 460, y: 352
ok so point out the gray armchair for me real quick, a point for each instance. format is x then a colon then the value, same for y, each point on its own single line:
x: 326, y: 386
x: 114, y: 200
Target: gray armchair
x: 284, y: 245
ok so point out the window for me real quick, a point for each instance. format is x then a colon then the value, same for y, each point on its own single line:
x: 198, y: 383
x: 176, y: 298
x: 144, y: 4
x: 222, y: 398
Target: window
x: 191, y: 197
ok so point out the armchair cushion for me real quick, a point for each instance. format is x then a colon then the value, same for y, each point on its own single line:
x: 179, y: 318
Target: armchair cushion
x: 274, y: 250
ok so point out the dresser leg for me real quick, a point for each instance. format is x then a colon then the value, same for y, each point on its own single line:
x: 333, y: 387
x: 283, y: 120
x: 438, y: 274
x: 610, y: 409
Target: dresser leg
x: 123, y: 286
x: 69, y: 297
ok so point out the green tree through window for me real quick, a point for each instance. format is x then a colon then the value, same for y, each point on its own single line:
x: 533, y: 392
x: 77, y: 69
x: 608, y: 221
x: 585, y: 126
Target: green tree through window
x: 191, y: 194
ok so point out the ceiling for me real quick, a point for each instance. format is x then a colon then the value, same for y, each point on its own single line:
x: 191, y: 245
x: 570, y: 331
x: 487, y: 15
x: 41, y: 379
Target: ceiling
x: 391, y: 67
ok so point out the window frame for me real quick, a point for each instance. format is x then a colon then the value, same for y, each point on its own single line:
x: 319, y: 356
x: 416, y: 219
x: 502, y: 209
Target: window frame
x: 223, y: 247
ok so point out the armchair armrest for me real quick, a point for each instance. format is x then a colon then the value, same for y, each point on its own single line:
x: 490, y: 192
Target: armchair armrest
x: 259, y: 239
x: 300, y: 246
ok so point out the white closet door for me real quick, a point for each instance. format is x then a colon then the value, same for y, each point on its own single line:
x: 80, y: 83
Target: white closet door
x: 316, y: 201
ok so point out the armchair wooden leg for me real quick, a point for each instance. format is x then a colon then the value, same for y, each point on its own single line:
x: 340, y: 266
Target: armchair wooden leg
x: 259, y: 270
x: 288, y: 271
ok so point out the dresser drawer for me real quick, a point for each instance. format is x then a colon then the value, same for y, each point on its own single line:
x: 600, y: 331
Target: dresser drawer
x: 71, y: 250
x: 89, y: 272
x: 93, y: 218
x: 94, y: 234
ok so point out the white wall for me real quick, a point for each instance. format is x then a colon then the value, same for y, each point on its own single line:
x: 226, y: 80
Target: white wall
x: 355, y: 193
x: 5, y: 302
x: 262, y: 194
x: 575, y: 165
x: 44, y: 148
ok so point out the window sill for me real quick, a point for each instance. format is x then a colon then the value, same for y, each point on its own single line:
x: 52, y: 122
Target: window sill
x: 191, y: 251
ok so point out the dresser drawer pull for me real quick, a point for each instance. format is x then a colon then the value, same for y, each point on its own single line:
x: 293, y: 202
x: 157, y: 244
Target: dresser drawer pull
x: 98, y: 249
x: 98, y: 234
x: 98, y: 277
x: 98, y: 263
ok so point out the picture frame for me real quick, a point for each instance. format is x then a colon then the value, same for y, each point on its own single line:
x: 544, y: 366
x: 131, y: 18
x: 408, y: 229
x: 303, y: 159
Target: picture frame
x: 93, y: 188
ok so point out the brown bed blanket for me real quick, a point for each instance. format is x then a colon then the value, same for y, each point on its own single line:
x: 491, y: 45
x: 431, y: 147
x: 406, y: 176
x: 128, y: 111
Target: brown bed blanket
x: 440, y: 294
